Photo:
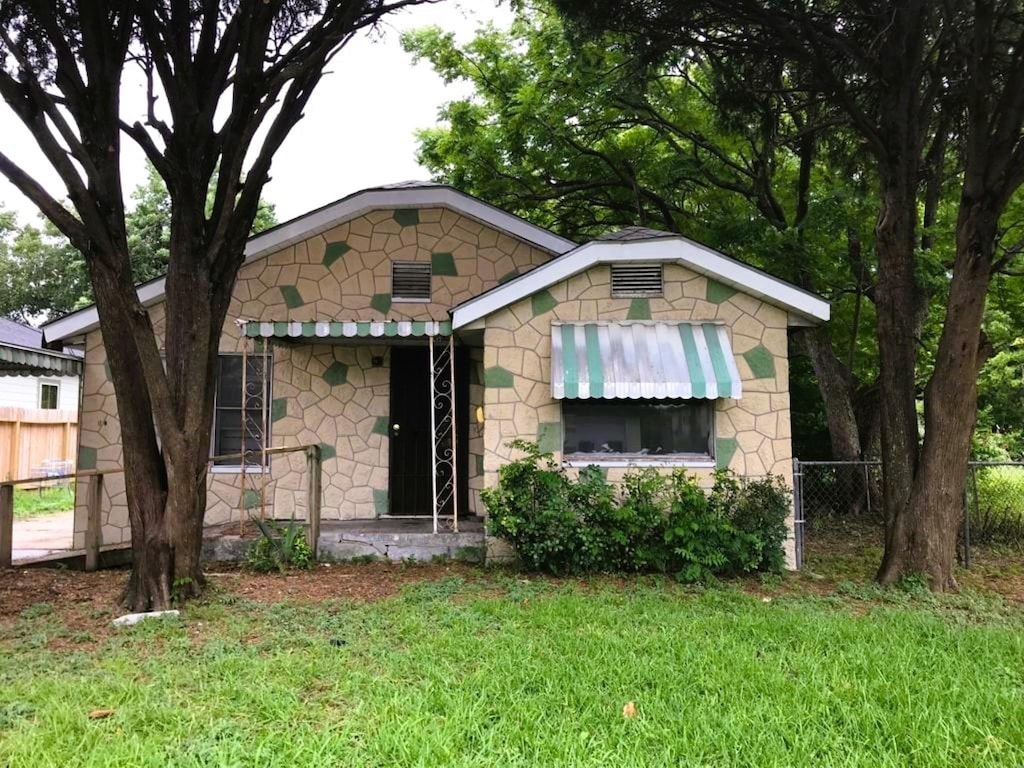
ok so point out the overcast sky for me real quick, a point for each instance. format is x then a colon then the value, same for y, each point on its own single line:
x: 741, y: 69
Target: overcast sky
x: 358, y: 128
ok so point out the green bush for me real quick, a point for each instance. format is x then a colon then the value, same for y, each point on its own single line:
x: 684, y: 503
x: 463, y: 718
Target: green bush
x: 652, y: 522
x: 280, y: 547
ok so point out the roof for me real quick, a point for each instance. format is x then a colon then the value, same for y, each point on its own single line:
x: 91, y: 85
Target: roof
x: 34, y: 361
x: 646, y: 247
x: 635, y: 233
x: 20, y: 334
x: 407, y: 194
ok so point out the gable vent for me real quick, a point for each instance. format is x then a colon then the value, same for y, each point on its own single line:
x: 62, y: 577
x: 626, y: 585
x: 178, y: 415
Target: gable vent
x: 637, y: 280
x: 410, y: 280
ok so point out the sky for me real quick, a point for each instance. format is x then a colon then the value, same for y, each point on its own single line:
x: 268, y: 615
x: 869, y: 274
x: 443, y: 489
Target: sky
x: 358, y: 129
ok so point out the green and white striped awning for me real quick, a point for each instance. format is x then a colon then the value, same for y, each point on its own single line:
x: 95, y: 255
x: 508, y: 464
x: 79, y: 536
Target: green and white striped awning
x: 23, y: 361
x: 346, y: 330
x: 642, y: 360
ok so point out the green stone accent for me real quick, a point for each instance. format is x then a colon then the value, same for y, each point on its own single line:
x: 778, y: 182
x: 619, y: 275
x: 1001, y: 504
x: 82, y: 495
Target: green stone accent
x: 407, y: 217
x: 761, y: 362
x: 498, y: 377
x: 443, y: 264
x: 725, y: 449
x: 542, y: 302
x: 479, y: 462
x: 291, y: 295
x: 86, y: 457
x: 639, y: 309
x: 381, y: 302
x: 549, y: 436
x: 380, y: 501
x: 327, y: 451
x: 250, y: 498
x: 719, y: 292
x: 380, y: 427
x: 278, y: 408
x: 335, y: 251
x: 336, y: 374
x: 508, y: 276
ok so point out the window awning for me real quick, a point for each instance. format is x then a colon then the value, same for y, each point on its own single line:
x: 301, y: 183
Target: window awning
x: 642, y: 360
x: 21, y: 361
x: 346, y: 330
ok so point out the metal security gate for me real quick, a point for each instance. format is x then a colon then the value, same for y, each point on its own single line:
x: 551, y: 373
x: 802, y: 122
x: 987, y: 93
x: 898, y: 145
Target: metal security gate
x: 827, y: 491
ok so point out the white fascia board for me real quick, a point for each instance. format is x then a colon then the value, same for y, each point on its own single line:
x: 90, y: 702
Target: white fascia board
x: 700, y: 259
x: 297, y: 230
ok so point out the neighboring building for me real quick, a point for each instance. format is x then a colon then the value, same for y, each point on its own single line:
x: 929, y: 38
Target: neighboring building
x: 39, y: 390
x: 639, y: 349
x: 33, y: 377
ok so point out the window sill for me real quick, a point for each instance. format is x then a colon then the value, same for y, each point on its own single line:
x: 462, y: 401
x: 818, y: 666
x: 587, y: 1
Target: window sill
x: 235, y: 469
x: 404, y: 300
x: 690, y: 461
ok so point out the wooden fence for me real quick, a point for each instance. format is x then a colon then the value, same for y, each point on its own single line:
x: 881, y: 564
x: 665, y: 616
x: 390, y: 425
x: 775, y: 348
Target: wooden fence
x: 31, y: 439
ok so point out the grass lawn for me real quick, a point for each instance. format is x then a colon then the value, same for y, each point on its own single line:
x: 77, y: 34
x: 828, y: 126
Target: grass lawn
x: 459, y: 667
x: 43, y: 501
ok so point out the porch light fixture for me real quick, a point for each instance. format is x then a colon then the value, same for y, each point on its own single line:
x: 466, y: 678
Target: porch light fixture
x: 479, y: 414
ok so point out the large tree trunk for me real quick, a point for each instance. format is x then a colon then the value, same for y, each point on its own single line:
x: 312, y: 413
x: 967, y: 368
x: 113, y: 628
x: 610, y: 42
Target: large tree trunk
x: 925, y: 534
x: 897, y: 298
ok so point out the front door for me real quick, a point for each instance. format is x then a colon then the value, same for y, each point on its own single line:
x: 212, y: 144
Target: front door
x: 411, y: 470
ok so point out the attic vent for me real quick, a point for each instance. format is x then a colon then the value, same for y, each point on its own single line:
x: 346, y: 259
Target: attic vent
x: 636, y: 280
x: 410, y: 280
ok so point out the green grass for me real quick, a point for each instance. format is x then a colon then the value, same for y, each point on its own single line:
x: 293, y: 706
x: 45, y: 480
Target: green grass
x: 524, y: 673
x: 43, y: 501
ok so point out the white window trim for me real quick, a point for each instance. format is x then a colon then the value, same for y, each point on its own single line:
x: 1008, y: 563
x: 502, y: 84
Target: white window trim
x: 236, y: 469
x: 39, y: 394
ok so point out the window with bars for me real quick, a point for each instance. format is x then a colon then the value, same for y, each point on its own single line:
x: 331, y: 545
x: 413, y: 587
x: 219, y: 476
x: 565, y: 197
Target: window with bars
x: 238, y: 419
x: 629, y: 280
x: 410, y: 280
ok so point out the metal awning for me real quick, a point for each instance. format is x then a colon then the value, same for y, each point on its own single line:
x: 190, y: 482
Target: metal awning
x: 23, y: 361
x: 642, y: 360
x: 346, y: 330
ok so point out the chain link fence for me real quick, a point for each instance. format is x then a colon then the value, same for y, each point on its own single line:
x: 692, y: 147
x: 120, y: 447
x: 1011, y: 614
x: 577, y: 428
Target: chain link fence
x: 829, y: 491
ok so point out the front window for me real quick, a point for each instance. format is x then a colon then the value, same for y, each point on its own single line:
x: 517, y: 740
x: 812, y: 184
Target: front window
x: 635, y: 429
x: 233, y: 423
x: 49, y: 395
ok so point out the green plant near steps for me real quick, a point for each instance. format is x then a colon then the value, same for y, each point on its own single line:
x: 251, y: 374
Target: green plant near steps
x: 281, y: 546
x: 650, y: 523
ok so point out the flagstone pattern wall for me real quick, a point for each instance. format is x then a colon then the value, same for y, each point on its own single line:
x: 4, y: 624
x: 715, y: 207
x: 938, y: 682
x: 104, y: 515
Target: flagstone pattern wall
x: 326, y: 394
x: 752, y: 434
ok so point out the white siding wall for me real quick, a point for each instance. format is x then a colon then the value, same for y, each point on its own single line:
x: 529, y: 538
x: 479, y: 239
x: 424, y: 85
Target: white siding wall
x: 23, y: 391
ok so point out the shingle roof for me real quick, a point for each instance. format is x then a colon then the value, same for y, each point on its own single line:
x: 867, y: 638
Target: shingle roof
x: 19, y: 334
x: 636, y: 233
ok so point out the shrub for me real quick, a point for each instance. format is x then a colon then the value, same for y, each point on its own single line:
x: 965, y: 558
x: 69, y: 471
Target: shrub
x: 652, y: 522
x: 280, y: 546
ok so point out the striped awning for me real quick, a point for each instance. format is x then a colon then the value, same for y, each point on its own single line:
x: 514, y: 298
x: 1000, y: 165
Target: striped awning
x: 22, y: 361
x: 642, y: 360
x: 346, y: 330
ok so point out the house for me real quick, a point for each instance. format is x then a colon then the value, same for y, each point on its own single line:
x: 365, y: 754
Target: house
x: 412, y: 331
x: 39, y: 390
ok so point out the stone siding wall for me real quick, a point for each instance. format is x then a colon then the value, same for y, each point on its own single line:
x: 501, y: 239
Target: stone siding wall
x: 752, y: 434
x: 323, y: 393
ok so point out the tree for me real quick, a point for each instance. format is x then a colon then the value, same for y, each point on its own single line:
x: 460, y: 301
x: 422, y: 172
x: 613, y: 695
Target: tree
x: 900, y: 73
x: 580, y: 138
x: 226, y: 82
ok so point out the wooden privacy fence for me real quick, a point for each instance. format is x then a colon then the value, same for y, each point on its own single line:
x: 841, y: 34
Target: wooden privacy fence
x: 93, y: 488
x: 32, y: 438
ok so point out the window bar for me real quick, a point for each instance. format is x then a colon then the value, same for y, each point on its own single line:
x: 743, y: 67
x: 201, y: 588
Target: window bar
x: 241, y: 485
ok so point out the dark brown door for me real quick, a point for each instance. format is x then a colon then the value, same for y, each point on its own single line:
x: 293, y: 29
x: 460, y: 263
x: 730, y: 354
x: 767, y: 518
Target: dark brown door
x: 410, y: 470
